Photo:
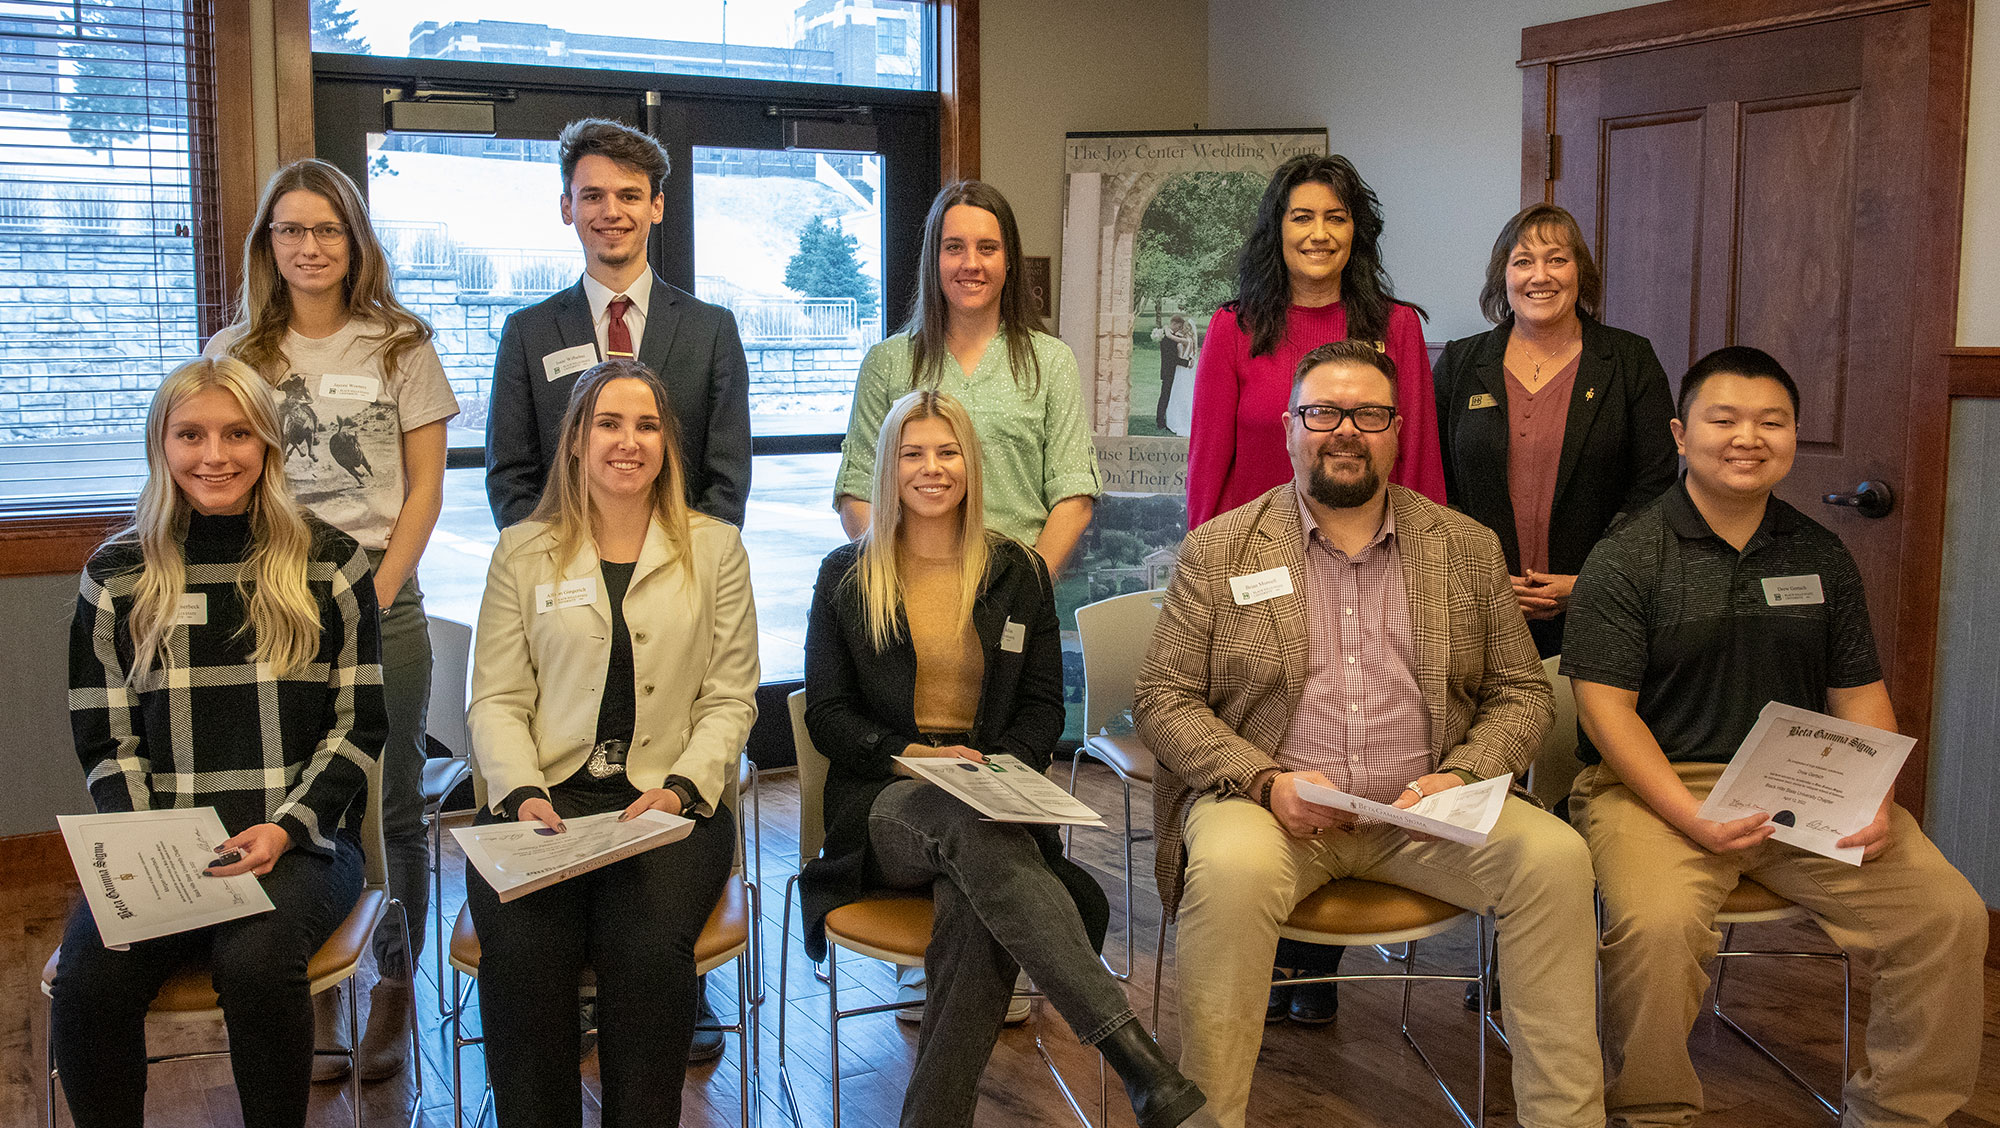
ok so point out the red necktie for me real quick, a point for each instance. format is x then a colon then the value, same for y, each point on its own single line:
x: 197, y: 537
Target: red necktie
x: 619, y: 338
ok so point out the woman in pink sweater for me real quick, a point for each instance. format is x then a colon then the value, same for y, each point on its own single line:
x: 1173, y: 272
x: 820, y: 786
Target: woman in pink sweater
x: 1311, y: 272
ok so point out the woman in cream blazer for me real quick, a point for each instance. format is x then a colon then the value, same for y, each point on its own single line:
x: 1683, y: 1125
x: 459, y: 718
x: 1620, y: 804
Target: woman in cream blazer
x: 615, y: 671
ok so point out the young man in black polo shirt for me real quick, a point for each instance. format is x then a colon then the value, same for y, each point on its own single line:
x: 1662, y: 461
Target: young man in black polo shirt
x: 1673, y: 647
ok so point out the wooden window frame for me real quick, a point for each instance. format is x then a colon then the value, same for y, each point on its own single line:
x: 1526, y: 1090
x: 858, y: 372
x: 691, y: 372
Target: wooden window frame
x: 56, y: 541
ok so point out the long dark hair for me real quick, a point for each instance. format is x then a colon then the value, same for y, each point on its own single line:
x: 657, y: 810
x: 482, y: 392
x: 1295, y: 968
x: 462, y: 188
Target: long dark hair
x: 1264, y: 287
x: 928, y: 308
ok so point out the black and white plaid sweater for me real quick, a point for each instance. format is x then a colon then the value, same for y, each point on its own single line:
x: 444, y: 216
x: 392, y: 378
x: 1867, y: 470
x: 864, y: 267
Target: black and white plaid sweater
x: 214, y: 728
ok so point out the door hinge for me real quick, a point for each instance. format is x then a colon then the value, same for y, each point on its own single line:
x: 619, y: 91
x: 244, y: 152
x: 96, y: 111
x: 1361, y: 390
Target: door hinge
x: 1552, y: 158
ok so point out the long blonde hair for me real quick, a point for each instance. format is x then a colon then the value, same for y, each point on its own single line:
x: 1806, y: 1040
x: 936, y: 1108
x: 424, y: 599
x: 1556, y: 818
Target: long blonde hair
x: 281, y: 616
x: 565, y: 504
x: 875, y: 570
x: 264, y: 306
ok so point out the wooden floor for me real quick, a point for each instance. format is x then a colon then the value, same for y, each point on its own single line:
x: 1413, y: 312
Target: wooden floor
x: 1356, y: 1072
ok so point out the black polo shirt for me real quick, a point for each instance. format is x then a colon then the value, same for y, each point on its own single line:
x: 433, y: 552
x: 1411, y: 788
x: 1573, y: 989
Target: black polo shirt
x: 1669, y: 609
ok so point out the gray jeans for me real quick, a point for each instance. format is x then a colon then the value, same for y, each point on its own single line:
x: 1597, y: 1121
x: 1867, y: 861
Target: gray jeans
x: 998, y: 908
x: 406, y: 693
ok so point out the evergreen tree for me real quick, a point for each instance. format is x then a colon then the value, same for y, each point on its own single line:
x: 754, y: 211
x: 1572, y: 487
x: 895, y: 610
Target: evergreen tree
x: 333, y: 28
x: 826, y: 267
x: 129, y: 61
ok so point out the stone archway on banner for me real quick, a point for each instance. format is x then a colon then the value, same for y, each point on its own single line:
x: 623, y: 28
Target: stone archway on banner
x: 1122, y: 200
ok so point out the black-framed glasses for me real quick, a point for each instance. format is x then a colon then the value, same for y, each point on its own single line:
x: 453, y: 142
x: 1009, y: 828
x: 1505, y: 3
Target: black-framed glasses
x: 292, y: 234
x: 1369, y: 418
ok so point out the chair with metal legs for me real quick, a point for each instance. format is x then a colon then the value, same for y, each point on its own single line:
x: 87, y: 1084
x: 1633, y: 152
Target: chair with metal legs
x: 1352, y: 913
x: 731, y: 933
x: 190, y: 992
x: 894, y: 927
x: 444, y: 724
x: 1752, y: 903
x: 1115, y: 633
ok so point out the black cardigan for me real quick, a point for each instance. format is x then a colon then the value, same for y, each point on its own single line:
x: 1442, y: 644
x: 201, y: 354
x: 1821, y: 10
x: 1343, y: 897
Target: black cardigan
x: 1617, y: 452
x: 861, y: 711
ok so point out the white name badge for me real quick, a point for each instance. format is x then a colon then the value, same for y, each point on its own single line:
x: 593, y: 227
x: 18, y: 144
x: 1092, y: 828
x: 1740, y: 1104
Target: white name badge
x: 569, y: 593
x: 568, y: 362
x: 1792, y: 591
x: 1260, y: 586
x: 332, y: 386
x: 1483, y: 399
x: 192, y: 610
x: 1013, y: 636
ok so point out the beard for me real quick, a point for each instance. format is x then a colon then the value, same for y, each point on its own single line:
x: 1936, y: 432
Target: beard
x: 1337, y: 494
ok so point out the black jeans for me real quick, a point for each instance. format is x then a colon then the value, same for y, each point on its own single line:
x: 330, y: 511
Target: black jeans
x: 97, y: 1020
x: 998, y: 909
x: 635, y: 924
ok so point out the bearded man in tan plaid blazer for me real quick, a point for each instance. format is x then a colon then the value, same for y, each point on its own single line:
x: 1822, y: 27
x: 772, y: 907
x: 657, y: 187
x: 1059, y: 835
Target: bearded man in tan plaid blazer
x: 1351, y: 633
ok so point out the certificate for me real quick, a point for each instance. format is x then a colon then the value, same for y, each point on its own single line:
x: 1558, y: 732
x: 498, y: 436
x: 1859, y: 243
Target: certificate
x: 1003, y: 789
x: 1458, y: 814
x: 517, y: 858
x: 1818, y: 777
x: 144, y: 873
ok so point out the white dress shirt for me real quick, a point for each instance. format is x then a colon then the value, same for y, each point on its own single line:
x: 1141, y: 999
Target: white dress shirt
x: 599, y: 296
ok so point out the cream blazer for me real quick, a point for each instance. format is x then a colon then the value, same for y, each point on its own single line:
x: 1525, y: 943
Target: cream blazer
x: 538, y: 669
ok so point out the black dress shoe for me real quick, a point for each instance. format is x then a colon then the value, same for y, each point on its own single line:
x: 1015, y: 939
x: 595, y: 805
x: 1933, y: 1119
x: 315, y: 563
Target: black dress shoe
x: 1315, y: 1004
x: 707, y: 1044
x: 1161, y: 1097
x: 1281, y: 1001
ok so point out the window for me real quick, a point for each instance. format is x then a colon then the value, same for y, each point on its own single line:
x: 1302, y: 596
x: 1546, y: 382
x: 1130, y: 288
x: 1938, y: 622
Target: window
x: 814, y: 41
x: 110, y: 262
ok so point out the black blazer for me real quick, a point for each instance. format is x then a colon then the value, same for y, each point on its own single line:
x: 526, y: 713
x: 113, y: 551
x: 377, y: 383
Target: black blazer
x: 691, y: 345
x: 861, y: 711
x: 1617, y: 452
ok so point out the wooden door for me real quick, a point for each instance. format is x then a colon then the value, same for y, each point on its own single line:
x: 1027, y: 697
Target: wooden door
x: 1766, y: 186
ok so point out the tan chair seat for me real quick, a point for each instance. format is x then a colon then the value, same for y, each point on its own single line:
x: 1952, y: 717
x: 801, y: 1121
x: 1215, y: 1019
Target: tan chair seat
x: 886, y: 927
x: 441, y: 777
x: 1750, y: 899
x: 1126, y: 753
x: 1350, y: 907
x: 727, y: 929
x: 191, y: 990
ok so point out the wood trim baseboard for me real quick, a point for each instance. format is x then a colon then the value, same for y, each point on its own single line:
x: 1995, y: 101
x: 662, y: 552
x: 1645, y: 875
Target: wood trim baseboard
x: 958, y: 90
x: 1972, y: 373
x: 1675, y: 22
x: 34, y: 859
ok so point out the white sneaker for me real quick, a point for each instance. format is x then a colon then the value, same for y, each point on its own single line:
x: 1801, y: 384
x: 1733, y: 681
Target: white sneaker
x: 1017, y: 1010
x: 910, y: 991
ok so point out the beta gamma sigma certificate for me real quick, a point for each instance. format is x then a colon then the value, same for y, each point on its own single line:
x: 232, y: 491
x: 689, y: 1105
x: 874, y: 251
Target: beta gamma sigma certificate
x: 517, y: 858
x: 1818, y: 777
x: 144, y: 873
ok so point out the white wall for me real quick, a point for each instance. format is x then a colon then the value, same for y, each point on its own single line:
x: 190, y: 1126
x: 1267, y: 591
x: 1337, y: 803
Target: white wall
x: 1979, y: 257
x: 1049, y: 67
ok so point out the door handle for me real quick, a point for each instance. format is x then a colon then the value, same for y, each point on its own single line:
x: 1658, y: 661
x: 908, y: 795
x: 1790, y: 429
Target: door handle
x: 1871, y: 499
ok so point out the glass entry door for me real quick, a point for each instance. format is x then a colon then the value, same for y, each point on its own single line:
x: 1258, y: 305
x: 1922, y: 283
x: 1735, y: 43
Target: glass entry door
x: 811, y: 247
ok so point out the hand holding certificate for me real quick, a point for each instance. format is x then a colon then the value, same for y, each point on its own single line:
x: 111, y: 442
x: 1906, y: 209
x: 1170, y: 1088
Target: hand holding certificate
x: 144, y: 873
x: 1003, y: 789
x: 517, y: 858
x: 1459, y: 814
x: 1819, y: 778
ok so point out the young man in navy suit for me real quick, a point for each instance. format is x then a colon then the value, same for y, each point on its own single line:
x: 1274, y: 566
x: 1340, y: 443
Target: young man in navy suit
x: 613, y: 179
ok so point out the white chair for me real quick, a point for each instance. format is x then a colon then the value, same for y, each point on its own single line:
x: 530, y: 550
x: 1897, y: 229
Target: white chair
x: 1115, y: 633
x: 451, y: 660
x: 190, y: 992
x: 730, y: 934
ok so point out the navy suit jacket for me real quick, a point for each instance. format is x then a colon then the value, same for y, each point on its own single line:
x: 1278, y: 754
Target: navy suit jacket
x: 694, y: 348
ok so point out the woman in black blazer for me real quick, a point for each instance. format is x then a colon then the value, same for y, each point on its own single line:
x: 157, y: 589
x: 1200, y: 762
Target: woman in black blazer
x: 930, y: 636
x: 1553, y: 425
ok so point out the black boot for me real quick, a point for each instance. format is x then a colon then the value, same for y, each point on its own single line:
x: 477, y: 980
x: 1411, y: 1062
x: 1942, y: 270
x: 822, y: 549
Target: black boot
x: 1161, y: 1097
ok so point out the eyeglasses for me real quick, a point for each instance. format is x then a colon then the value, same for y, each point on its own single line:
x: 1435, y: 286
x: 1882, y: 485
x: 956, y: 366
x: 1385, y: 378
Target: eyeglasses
x: 292, y: 234
x: 1368, y: 418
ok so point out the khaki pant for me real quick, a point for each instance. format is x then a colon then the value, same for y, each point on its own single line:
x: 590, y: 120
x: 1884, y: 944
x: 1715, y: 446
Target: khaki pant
x: 1905, y: 915
x: 1245, y: 874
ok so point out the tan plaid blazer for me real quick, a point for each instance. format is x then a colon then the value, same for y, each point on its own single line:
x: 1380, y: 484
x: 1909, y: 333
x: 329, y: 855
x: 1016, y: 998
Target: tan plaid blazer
x: 1220, y: 682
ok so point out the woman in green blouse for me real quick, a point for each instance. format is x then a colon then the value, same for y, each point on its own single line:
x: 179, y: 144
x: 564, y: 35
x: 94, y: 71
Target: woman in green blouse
x: 974, y: 332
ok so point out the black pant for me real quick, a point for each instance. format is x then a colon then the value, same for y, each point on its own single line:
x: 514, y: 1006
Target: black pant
x: 635, y: 924
x: 97, y: 1022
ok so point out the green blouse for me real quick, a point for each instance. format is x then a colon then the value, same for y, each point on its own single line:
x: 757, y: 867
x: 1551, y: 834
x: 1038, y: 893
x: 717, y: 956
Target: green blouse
x: 1036, y: 445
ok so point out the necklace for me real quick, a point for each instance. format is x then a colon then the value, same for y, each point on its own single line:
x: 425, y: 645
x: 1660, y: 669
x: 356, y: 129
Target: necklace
x: 1562, y: 350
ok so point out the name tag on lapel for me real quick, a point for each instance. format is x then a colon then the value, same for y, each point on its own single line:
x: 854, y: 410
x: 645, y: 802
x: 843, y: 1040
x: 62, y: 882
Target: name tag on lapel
x: 1792, y: 591
x: 568, y: 362
x: 1483, y: 399
x: 1013, y: 636
x: 192, y: 610
x: 569, y: 593
x: 1260, y: 586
